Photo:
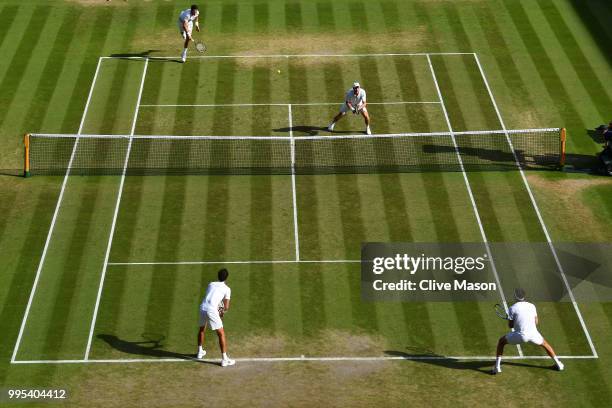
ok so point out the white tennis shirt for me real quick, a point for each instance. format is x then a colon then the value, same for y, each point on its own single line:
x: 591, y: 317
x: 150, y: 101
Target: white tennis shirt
x: 523, y: 314
x: 186, y: 16
x: 356, y: 100
x: 215, y: 293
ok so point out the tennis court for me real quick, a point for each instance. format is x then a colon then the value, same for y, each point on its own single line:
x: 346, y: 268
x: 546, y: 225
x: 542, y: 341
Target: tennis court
x: 291, y: 241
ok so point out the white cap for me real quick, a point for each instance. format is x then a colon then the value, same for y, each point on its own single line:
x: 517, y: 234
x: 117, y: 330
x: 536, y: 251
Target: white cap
x: 356, y: 84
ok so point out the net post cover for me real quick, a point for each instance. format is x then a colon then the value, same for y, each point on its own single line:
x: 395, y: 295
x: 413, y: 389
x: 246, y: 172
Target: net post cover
x: 26, y: 164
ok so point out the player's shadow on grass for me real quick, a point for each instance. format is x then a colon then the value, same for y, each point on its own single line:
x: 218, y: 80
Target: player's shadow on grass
x: 312, y: 130
x: 144, y: 54
x: 11, y: 172
x: 480, y: 366
x: 148, y: 347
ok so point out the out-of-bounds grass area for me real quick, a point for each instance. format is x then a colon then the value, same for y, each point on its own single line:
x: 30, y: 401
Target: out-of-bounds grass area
x: 546, y: 63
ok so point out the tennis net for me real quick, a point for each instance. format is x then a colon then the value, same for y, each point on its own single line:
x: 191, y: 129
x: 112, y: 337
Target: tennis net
x: 407, y: 152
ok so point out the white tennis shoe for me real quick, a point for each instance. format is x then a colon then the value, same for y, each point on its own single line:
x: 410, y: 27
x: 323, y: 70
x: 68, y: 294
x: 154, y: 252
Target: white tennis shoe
x: 368, y: 131
x: 201, y: 354
x: 330, y: 128
x: 227, y: 362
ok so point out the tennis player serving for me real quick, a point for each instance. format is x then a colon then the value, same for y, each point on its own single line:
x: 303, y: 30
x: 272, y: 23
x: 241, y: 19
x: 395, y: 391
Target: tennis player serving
x: 187, y: 19
x: 355, y: 101
x: 215, y: 303
x: 523, y: 318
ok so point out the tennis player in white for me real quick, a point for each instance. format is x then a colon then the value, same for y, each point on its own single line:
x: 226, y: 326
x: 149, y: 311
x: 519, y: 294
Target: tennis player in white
x: 524, y: 320
x: 215, y: 303
x: 187, y: 19
x: 355, y: 101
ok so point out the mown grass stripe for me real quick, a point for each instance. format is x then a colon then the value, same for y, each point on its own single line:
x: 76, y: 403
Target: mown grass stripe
x: 110, y: 123
x: 229, y: 17
x: 164, y: 279
x: 217, y: 193
x: 54, y: 64
x: 13, y: 307
x: 599, y: 33
x: 19, y: 62
x: 359, y: 17
x: 325, y: 16
x: 261, y: 286
x: 7, y: 16
x: 99, y: 32
x: 543, y: 63
x: 8, y: 196
x: 68, y: 279
x: 261, y: 17
x: 391, y: 15
x: 476, y: 84
x: 501, y: 51
x: 590, y: 81
x: 293, y: 17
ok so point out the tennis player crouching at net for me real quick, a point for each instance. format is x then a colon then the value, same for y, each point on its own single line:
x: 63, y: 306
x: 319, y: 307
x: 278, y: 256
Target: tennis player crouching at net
x: 523, y: 318
x: 355, y: 101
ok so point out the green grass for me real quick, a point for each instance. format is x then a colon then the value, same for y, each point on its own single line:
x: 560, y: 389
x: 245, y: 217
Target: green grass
x: 547, y: 63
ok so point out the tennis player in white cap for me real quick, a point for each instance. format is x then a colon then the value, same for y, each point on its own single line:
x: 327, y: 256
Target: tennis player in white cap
x: 523, y: 318
x: 355, y: 101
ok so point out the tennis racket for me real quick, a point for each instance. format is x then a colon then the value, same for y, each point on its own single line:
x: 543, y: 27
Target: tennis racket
x: 200, y: 46
x: 501, y: 312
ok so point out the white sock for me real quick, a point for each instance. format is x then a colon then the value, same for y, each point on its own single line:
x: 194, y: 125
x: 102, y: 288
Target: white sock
x: 498, y: 362
x: 557, y: 361
x: 184, y: 52
x: 200, y: 349
x: 225, y: 357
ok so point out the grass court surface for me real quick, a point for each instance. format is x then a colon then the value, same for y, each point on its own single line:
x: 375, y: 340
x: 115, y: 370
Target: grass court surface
x: 127, y: 259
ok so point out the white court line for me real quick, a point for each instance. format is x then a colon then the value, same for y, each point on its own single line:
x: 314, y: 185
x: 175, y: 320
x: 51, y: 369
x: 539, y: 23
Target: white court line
x: 238, y: 105
x: 55, y: 214
x: 235, y: 262
x: 408, y: 54
x: 469, y: 189
x: 298, y: 358
x: 293, y: 189
x: 114, y: 222
x: 537, y: 210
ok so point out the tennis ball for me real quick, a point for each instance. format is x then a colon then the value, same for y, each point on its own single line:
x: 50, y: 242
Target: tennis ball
x: 278, y: 71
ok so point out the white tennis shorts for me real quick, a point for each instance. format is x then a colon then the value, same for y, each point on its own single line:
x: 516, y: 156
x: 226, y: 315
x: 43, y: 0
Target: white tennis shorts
x: 345, y: 109
x: 183, y: 33
x: 212, y: 318
x: 520, y: 338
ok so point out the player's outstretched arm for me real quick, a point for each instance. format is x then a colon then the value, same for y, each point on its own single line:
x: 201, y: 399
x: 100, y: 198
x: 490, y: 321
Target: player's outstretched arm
x: 186, y: 29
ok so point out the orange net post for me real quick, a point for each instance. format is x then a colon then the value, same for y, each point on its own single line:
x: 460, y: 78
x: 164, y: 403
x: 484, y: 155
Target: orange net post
x: 563, y: 137
x: 26, y: 164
